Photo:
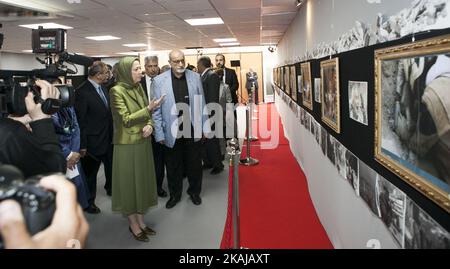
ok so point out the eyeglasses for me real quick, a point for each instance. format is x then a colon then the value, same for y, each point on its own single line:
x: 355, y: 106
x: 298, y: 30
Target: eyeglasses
x: 178, y: 61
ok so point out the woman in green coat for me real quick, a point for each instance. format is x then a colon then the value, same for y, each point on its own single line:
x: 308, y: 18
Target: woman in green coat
x: 134, y: 184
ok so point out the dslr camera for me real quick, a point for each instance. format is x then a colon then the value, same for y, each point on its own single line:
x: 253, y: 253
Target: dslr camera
x: 38, y: 205
x: 51, y: 43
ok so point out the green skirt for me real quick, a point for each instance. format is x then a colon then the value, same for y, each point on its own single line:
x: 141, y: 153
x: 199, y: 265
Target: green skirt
x: 133, y: 179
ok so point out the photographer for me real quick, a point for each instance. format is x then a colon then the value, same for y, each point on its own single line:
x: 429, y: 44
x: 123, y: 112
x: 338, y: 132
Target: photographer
x: 68, y: 227
x: 36, y: 151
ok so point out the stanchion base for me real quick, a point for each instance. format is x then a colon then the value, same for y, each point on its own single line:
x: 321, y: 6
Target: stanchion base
x: 249, y: 162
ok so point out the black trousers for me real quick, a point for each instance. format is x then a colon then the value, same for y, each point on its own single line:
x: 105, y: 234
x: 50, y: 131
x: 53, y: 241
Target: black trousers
x: 91, y: 165
x: 184, y: 156
x: 158, y: 158
x: 211, y: 153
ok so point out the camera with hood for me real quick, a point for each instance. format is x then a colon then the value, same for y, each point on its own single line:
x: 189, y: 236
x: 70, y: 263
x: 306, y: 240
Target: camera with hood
x: 51, y: 43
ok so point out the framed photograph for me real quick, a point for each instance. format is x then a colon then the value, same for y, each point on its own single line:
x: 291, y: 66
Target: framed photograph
x: 357, y: 99
x: 367, y: 186
x: 330, y: 149
x: 330, y: 94
x: 317, y: 93
x: 282, y: 79
x: 340, y: 152
x: 287, y: 84
x: 421, y: 231
x: 299, y: 83
x: 293, y: 82
x: 412, y: 115
x: 318, y: 134
x: 323, y: 140
x: 352, y: 170
x: 307, y: 85
x: 391, y: 206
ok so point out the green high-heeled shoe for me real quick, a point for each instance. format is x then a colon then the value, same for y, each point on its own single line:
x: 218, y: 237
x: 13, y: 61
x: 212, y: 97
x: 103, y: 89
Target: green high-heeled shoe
x: 148, y: 231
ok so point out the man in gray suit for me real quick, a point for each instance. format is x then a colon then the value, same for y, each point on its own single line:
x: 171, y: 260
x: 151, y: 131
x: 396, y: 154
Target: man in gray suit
x: 181, y: 122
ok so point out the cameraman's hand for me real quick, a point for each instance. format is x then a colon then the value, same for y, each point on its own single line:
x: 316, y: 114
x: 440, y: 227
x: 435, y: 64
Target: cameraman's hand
x: 68, y: 223
x: 47, y: 91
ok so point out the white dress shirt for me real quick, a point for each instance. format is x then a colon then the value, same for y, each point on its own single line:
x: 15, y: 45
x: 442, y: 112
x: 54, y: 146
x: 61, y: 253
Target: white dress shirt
x: 148, y: 81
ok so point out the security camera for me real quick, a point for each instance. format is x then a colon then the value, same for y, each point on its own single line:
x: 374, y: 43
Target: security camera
x: 299, y: 2
x: 272, y: 49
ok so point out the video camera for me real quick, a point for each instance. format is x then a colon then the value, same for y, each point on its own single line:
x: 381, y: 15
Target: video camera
x: 38, y: 205
x: 52, y: 43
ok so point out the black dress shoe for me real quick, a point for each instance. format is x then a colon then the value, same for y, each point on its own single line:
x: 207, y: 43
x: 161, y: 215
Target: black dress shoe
x: 162, y: 193
x: 148, y: 231
x: 172, y: 202
x: 196, y: 200
x: 207, y: 166
x: 217, y: 170
x: 139, y: 237
x: 92, y: 209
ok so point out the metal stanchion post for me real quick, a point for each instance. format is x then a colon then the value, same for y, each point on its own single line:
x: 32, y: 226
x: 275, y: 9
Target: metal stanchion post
x: 250, y: 108
x: 235, y: 153
x: 249, y: 161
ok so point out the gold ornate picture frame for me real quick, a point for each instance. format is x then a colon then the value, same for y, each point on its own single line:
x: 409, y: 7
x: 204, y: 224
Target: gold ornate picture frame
x: 293, y: 82
x: 307, y: 85
x: 412, y: 115
x: 331, y: 108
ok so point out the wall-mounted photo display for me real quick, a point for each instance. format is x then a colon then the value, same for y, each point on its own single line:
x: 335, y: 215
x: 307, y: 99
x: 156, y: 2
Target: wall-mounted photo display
x: 302, y: 117
x: 391, y: 206
x: 282, y: 79
x: 330, y: 94
x: 330, y: 149
x: 307, y: 121
x: 287, y: 84
x: 323, y: 140
x: 357, y: 99
x: 352, y: 170
x: 293, y: 82
x: 318, y: 132
x: 317, y: 92
x: 299, y: 83
x: 412, y: 129
x: 423, y: 232
x: 340, y: 151
x: 307, y: 85
x: 313, y: 126
x: 367, y: 186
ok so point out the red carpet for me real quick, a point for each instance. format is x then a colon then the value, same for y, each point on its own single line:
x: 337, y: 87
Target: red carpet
x: 276, y: 209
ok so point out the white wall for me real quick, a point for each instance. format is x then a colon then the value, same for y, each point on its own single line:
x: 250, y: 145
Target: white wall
x: 326, y: 20
x: 346, y: 218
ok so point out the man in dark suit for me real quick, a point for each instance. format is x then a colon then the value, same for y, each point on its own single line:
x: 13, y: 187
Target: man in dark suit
x: 96, y: 130
x: 151, y: 71
x: 211, y: 88
x: 229, y: 77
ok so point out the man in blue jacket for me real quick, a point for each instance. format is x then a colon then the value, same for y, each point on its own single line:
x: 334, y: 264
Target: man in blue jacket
x: 181, y: 122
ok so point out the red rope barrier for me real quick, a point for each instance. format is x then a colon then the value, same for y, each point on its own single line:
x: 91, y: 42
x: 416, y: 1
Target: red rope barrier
x: 227, y: 237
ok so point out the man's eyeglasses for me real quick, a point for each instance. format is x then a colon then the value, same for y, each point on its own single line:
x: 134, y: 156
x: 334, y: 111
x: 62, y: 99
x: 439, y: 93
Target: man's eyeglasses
x: 178, y: 61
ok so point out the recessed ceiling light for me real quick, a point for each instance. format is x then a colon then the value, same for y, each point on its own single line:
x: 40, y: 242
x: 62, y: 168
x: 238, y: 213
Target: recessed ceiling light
x: 129, y: 53
x: 229, y: 44
x: 27, y: 51
x: 222, y: 40
x: 135, y: 45
x: 47, y: 25
x: 205, y: 21
x: 102, y: 37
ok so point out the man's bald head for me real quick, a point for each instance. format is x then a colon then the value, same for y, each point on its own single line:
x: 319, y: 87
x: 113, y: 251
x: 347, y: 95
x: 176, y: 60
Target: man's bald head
x: 177, y: 62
